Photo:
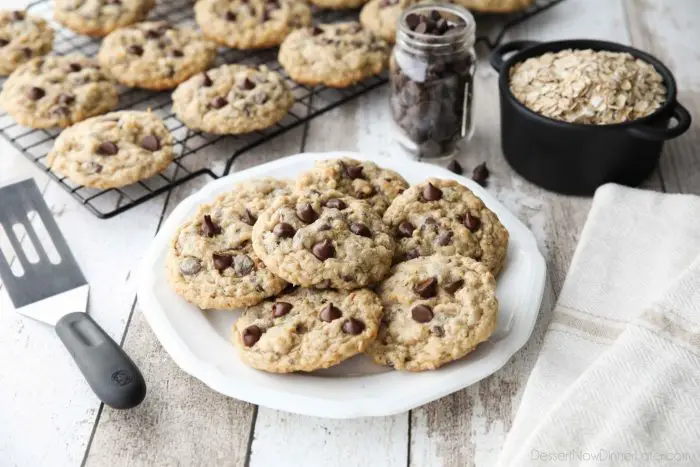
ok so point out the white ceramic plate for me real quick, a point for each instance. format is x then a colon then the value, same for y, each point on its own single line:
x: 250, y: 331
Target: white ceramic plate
x: 198, y: 341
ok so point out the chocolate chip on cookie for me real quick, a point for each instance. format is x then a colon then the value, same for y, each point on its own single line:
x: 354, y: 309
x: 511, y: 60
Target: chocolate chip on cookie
x: 353, y: 326
x: 426, y: 288
x: 422, y: 313
x: 330, y: 313
x: 222, y: 261
x: 280, y: 309
x: 323, y: 250
x: 251, y: 335
x: 284, y: 230
x: 454, y: 286
x: 209, y: 227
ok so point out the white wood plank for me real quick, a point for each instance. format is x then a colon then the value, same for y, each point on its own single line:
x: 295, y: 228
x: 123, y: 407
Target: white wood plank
x: 182, y: 421
x: 43, y: 395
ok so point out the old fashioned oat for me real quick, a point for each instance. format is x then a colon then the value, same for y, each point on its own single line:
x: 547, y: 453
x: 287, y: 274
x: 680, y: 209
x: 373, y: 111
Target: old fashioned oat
x: 586, y: 86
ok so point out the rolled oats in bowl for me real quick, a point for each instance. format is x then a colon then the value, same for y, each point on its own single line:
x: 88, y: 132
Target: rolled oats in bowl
x: 587, y: 86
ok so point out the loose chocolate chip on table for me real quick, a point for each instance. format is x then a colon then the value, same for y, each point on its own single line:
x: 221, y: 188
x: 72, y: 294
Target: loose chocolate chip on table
x: 352, y: 171
x: 431, y: 192
x: 481, y: 174
x: 353, y: 326
x: 150, y: 142
x: 209, y: 227
x: 75, y: 67
x: 422, y: 313
x: 36, y: 93
x: 454, y: 286
x: 248, y: 217
x: 426, y: 288
x: 280, y: 309
x: 206, y: 80
x: 405, y: 229
x: 455, y: 167
x: 135, y: 49
x: 330, y: 313
x: 107, y: 148
x: 242, y: 265
x: 360, y: 229
x: 323, y: 250
x: 438, y: 331
x: 218, y: 103
x: 190, y: 266
x: 472, y: 222
x: 4, y: 42
x: 284, y: 230
x: 221, y: 262
x: 251, y: 335
x: 315, y: 31
x: 230, y: 16
x: 306, y: 213
x: 445, y: 238
x: 66, y: 99
x: 335, y: 203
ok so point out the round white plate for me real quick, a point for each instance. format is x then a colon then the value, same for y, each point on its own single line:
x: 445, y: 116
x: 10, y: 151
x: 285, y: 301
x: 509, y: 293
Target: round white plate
x: 198, y: 341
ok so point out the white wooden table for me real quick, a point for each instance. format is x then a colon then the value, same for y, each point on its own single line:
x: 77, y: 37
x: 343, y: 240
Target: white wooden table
x: 49, y: 417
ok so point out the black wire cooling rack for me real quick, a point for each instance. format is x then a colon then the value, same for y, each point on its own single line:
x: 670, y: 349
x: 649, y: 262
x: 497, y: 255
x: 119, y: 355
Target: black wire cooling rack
x: 311, y: 101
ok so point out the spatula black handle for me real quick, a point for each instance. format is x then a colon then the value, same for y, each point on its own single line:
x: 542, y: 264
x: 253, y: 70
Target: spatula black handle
x: 107, y: 368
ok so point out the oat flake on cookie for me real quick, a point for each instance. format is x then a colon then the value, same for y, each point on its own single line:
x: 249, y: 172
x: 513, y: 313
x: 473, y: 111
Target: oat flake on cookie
x: 586, y: 86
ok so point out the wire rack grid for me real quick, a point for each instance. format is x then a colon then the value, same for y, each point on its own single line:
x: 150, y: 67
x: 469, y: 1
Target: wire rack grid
x: 188, y: 162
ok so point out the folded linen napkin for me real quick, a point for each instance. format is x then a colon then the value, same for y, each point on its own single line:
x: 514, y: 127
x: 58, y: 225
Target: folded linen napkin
x: 617, y: 381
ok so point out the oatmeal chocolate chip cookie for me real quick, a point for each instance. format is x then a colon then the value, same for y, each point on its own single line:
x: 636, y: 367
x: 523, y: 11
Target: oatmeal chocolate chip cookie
x: 155, y: 55
x: 324, y: 240
x: 445, y: 217
x: 306, y: 330
x: 251, y: 24
x: 381, y: 16
x: 494, y: 6
x: 57, y: 91
x: 233, y: 99
x: 211, y: 262
x: 436, y: 310
x: 113, y: 150
x: 337, y: 55
x: 100, y: 17
x: 338, y: 4
x: 22, y: 37
x: 359, y: 179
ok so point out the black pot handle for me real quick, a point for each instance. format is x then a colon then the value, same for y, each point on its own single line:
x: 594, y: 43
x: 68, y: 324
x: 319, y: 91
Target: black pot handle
x: 682, y: 117
x: 496, y: 57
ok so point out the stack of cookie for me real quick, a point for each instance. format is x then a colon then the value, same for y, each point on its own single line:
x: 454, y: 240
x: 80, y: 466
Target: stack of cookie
x: 346, y: 259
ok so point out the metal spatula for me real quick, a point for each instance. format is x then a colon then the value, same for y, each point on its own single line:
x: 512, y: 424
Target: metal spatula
x: 57, y: 294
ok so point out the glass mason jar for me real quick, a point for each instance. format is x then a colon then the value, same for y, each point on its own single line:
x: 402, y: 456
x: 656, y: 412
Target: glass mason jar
x: 432, y: 77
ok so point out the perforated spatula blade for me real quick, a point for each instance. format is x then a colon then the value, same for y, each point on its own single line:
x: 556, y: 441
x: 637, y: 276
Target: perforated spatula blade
x: 55, y: 291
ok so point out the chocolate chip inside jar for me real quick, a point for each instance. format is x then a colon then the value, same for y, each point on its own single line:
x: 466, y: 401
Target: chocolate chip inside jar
x: 432, y: 76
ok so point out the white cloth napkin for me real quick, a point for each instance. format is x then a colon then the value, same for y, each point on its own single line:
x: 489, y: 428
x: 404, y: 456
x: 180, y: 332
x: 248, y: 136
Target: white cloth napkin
x: 617, y: 381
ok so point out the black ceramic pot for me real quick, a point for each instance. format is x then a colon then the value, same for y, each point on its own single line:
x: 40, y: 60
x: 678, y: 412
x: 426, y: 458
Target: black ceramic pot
x: 574, y: 158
